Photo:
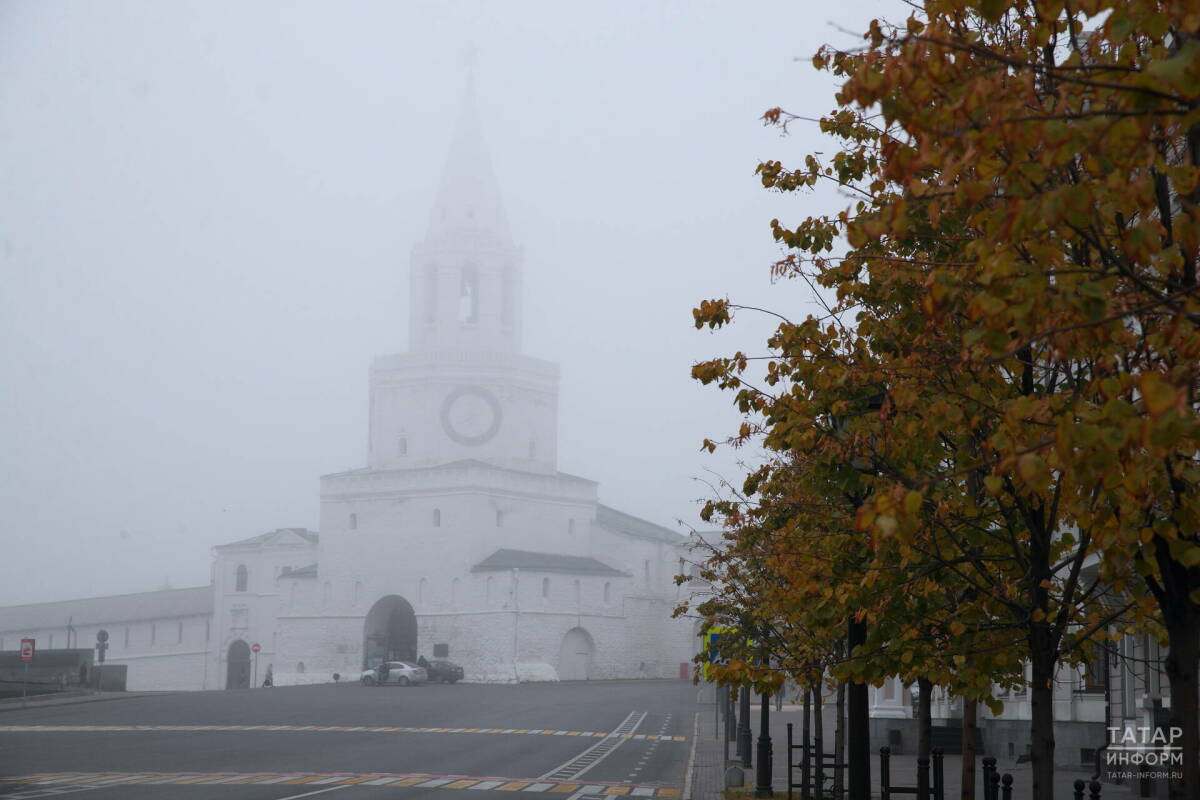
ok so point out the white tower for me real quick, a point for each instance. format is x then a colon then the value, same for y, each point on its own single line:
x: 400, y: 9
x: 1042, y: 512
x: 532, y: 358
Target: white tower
x: 465, y: 390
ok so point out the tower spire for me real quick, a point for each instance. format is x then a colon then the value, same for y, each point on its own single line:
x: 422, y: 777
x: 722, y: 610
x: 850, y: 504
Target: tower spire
x: 468, y: 203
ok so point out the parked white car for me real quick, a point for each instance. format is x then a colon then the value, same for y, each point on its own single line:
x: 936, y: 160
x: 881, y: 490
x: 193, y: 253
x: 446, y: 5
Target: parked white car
x: 399, y: 673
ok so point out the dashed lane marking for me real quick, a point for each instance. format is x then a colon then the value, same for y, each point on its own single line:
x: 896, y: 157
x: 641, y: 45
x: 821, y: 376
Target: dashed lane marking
x: 322, y: 729
x: 45, y: 784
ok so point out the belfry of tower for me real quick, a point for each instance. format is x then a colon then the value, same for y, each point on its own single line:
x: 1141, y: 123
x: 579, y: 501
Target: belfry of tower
x: 465, y: 288
x: 465, y: 390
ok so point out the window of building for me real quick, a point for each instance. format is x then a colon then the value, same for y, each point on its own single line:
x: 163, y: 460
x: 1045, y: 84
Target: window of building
x: 402, y: 446
x: 646, y: 569
x: 431, y: 294
x: 499, y: 518
x: 437, y: 518
x: 179, y: 635
x: 468, y: 296
x: 508, y: 292
x: 607, y: 591
x: 153, y: 633
x: 300, y: 667
x: 1093, y: 678
x: 545, y: 587
x: 354, y: 522
x: 571, y: 527
x: 242, y: 580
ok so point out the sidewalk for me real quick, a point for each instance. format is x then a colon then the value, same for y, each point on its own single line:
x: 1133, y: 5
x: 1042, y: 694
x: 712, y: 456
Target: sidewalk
x: 709, y: 768
x: 68, y: 698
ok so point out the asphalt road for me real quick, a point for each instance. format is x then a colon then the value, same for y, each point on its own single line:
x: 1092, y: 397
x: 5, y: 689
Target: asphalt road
x: 572, y: 740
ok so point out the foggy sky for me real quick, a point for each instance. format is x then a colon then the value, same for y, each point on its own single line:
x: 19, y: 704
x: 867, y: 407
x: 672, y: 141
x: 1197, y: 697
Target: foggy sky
x: 206, y: 216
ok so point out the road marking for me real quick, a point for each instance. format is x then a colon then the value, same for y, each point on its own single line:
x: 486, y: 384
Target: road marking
x: 310, y: 794
x: 599, y: 751
x: 48, y: 783
x: 318, y: 729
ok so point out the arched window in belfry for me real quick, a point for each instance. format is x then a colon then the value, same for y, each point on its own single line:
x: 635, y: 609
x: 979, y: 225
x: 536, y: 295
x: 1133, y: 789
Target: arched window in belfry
x: 431, y: 294
x: 437, y: 518
x: 242, y: 581
x: 353, y: 522
x: 508, y: 297
x: 499, y: 518
x: 468, y: 296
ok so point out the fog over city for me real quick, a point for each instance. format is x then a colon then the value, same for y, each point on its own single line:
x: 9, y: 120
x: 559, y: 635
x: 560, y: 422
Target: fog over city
x: 207, y: 213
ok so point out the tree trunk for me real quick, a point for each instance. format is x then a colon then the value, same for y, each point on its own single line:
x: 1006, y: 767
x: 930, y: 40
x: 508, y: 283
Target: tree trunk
x: 1041, y: 699
x: 924, y: 716
x: 839, y: 741
x: 1182, y: 659
x: 970, y: 709
x: 818, y: 767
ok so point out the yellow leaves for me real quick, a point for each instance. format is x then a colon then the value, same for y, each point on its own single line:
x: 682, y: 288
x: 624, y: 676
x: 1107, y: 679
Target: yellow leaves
x: 957, y: 628
x: 993, y: 484
x: 1158, y: 395
x: 1033, y: 470
x: 913, y: 502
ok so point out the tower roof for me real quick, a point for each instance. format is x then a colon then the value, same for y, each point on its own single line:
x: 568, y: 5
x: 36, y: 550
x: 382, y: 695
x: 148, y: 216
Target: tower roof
x: 468, y: 209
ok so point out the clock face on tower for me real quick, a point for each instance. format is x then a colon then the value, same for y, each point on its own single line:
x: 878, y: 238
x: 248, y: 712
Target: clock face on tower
x: 471, y: 415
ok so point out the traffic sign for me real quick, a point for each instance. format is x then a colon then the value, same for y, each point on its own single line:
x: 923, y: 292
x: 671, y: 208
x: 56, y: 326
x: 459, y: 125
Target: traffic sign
x: 27, y: 648
x: 255, y: 648
x: 102, y: 635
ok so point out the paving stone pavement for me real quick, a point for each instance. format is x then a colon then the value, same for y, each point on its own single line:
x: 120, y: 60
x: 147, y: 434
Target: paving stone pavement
x: 709, y: 770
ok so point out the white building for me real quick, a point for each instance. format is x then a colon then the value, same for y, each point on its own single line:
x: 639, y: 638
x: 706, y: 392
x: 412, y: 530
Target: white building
x: 460, y: 535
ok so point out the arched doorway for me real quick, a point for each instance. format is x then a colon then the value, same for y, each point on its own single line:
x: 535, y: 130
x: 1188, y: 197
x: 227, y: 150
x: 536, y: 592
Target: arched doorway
x: 390, y: 631
x: 237, y: 671
x: 575, y: 656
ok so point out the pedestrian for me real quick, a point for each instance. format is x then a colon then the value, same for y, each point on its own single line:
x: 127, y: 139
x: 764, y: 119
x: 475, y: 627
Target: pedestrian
x: 383, y: 672
x: 421, y: 662
x: 269, y: 681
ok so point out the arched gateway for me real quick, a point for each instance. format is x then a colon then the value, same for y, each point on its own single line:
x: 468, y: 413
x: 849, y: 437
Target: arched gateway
x: 390, y: 631
x: 237, y: 670
x: 575, y: 656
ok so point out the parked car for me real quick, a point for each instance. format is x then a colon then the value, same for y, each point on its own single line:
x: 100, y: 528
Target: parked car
x: 441, y: 671
x: 398, y: 672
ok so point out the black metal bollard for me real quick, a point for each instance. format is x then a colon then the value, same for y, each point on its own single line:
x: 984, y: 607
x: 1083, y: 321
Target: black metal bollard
x: 789, y: 760
x: 1079, y: 784
x: 1094, y: 786
x: 994, y: 782
x: 922, y: 778
x: 885, y: 776
x: 939, y: 775
x: 989, y: 769
x: 1006, y: 789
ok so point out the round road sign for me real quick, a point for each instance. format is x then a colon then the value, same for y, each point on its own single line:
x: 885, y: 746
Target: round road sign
x: 254, y: 648
x: 101, y: 635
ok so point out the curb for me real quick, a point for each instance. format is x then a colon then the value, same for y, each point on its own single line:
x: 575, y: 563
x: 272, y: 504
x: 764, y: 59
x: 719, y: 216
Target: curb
x: 691, y: 766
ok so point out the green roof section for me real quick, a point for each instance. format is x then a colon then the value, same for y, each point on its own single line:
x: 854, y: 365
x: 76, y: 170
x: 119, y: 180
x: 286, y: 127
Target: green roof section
x: 505, y: 559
